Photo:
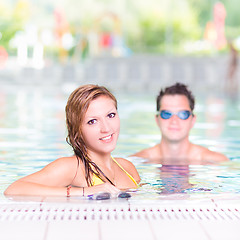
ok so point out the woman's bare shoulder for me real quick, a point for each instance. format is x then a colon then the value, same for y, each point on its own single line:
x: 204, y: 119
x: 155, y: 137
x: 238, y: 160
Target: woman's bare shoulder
x: 57, y: 173
x: 124, y: 162
x: 62, y: 166
x: 129, y: 167
x: 63, y: 162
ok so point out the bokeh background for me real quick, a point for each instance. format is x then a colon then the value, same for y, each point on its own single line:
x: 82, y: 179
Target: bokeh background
x: 124, y: 44
x: 74, y: 30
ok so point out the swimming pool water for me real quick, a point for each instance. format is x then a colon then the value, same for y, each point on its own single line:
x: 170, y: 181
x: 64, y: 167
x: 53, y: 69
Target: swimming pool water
x: 33, y: 132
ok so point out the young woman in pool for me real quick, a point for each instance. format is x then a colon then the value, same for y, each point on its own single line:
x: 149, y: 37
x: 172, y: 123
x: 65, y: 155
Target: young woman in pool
x: 93, y: 127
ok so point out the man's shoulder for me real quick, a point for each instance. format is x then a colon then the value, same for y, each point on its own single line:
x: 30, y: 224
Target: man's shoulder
x: 208, y: 155
x: 150, y: 152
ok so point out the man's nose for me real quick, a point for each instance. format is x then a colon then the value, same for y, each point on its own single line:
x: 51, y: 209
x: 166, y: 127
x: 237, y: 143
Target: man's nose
x: 174, y: 118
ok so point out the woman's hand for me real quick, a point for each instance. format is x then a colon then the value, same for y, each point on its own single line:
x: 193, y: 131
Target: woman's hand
x: 105, y: 187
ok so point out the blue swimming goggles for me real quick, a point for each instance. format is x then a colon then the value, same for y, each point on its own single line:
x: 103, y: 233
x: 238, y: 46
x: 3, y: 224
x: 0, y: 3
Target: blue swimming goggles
x: 184, y: 114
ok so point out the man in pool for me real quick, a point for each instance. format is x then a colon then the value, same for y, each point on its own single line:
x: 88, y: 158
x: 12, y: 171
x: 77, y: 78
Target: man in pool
x: 175, y: 119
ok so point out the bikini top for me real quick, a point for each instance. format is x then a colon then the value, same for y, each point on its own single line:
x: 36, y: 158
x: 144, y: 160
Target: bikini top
x: 96, y: 180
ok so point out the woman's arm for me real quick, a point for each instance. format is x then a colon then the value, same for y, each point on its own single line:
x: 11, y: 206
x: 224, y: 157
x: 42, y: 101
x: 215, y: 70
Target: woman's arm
x: 53, y: 180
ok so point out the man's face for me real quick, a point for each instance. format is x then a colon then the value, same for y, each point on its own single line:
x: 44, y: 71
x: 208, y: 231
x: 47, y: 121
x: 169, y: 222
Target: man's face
x: 175, y: 129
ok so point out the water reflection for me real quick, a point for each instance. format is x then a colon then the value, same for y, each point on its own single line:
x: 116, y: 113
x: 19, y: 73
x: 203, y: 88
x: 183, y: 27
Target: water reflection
x: 175, y: 178
x: 168, y: 176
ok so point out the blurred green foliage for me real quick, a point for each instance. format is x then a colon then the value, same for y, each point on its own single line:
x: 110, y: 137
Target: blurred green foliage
x: 162, y: 29
x: 12, y: 20
x: 153, y: 26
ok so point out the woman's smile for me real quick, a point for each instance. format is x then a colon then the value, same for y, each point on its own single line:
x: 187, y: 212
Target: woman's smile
x: 107, y: 138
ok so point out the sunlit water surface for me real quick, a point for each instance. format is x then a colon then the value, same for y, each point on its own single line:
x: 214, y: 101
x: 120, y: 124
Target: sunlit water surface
x: 33, y: 132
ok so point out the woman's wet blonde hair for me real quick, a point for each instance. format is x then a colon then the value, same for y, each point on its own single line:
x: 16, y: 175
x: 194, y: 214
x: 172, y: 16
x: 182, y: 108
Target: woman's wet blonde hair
x: 76, y: 108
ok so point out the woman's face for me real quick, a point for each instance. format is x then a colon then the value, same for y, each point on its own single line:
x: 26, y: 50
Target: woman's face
x: 101, y: 126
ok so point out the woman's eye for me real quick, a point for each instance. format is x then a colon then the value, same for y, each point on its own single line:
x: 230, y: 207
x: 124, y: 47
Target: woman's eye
x: 91, y: 122
x: 111, y: 115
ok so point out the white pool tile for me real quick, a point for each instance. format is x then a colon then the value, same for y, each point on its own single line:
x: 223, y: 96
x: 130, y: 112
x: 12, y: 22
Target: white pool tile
x: 222, y: 230
x: 73, y: 230
x: 172, y: 230
x: 106, y: 220
x: 24, y: 230
x: 176, y: 200
x: 227, y: 202
x: 126, y: 229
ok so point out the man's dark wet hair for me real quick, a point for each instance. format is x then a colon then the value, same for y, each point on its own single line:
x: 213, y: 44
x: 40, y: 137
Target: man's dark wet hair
x: 177, y: 88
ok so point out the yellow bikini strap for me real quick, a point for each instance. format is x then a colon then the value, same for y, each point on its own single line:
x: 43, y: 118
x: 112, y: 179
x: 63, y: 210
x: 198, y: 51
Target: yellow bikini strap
x: 129, y: 175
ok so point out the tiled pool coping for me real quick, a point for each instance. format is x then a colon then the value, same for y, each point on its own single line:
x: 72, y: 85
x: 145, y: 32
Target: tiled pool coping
x: 206, y: 217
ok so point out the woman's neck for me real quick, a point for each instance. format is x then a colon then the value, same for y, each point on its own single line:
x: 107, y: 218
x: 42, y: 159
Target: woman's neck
x: 102, y: 160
